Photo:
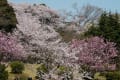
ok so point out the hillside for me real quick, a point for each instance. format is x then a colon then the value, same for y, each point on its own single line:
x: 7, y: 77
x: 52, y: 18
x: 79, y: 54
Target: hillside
x: 36, y: 34
x: 46, y: 37
x: 41, y: 30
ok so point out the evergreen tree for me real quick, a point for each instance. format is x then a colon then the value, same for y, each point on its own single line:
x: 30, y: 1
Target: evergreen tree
x: 3, y: 73
x: 7, y: 17
x: 108, y: 27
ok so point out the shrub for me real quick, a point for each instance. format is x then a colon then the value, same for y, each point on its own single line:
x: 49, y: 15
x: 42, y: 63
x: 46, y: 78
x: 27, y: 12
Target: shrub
x: 62, y: 69
x: 98, y: 76
x: 17, y: 67
x: 3, y: 73
x: 42, y: 68
x: 65, y: 72
x: 112, y: 75
x: 41, y: 71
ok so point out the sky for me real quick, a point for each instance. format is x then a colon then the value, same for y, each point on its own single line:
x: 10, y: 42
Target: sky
x: 111, y: 5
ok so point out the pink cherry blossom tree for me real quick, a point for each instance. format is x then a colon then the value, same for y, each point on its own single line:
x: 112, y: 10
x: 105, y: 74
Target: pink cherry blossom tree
x: 9, y: 47
x: 95, y: 52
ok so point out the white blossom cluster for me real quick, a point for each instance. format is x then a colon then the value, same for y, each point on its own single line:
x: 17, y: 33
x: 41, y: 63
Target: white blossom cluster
x: 35, y: 32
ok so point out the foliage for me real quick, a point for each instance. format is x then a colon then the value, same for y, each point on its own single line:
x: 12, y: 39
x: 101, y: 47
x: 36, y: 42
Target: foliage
x: 3, y: 73
x: 108, y: 27
x: 9, y: 48
x: 98, y: 76
x: 61, y: 70
x: 7, y: 17
x: 41, y: 71
x: 115, y: 75
x: 65, y: 72
x: 30, y: 71
x: 42, y: 68
x: 95, y: 52
x: 17, y: 67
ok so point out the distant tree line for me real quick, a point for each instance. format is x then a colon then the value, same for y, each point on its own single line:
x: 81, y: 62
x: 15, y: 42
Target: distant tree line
x: 108, y: 27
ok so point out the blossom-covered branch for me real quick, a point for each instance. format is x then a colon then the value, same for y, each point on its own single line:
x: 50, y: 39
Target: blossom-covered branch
x: 95, y: 53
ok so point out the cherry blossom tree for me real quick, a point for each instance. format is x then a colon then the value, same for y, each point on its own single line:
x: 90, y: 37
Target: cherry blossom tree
x: 9, y: 47
x: 95, y: 52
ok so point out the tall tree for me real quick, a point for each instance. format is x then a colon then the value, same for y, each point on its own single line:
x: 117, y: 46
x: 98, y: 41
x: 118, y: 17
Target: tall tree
x: 7, y: 17
x: 108, y: 27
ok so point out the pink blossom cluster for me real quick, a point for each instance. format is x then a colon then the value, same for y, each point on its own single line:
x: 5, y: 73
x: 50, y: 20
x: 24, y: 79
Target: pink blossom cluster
x: 95, y: 52
x: 9, y: 47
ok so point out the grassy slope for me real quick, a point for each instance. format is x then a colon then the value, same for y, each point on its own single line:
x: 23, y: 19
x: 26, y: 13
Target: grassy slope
x: 30, y: 71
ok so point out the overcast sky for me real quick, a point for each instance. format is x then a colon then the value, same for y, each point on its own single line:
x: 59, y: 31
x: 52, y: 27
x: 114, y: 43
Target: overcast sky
x: 113, y: 5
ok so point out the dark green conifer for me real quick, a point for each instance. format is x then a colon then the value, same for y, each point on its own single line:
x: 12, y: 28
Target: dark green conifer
x: 7, y: 17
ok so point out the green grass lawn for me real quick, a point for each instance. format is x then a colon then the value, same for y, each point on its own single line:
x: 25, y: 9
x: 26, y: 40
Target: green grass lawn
x: 30, y: 71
